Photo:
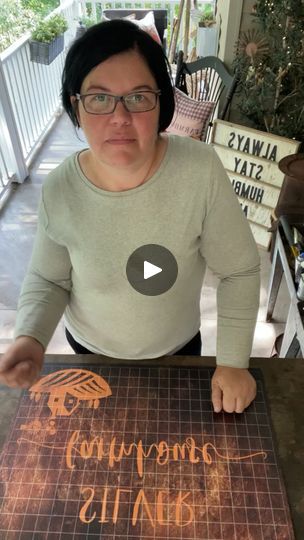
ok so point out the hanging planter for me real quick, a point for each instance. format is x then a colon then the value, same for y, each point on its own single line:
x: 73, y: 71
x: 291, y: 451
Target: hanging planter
x: 45, y: 53
x: 47, y: 40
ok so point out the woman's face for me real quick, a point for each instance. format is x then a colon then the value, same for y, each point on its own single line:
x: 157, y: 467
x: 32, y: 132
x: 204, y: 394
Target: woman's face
x: 121, y: 138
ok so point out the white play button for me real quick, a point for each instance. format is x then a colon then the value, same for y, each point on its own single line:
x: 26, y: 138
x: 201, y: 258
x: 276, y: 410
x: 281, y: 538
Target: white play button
x: 151, y: 270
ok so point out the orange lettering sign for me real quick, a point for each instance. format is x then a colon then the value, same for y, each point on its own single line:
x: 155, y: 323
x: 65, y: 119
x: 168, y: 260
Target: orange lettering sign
x: 66, y: 390
x: 95, y: 449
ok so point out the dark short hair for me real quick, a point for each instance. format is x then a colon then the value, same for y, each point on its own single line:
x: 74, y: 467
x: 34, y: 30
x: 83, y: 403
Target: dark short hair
x: 104, y: 40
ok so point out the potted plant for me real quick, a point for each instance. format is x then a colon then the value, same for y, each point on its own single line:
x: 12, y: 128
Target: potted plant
x: 207, y: 35
x: 47, y: 40
x: 206, y: 20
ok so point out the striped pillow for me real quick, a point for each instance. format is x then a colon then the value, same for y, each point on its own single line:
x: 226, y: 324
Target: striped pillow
x: 191, y: 117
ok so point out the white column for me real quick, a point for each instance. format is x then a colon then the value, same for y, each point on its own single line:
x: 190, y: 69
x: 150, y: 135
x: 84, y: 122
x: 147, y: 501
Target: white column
x: 229, y: 14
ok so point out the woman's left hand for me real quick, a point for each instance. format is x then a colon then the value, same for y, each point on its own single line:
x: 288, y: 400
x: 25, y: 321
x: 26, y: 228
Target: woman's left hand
x: 233, y: 389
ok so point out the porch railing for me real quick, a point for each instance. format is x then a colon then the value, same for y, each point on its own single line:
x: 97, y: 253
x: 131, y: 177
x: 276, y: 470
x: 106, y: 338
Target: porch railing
x: 29, y: 101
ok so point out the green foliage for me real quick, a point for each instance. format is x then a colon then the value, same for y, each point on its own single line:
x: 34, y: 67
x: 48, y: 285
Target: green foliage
x: 40, y: 7
x: 271, y: 86
x: 207, y: 15
x: 20, y: 16
x: 88, y: 21
x: 206, y: 20
x: 50, y: 28
x: 14, y: 22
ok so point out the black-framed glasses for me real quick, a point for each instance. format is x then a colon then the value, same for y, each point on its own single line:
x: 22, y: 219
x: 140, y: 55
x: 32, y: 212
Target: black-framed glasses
x: 136, y: 102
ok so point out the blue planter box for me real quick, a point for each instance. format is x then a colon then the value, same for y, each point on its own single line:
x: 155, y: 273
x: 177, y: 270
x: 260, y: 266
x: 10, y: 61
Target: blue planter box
x: 45, y: 53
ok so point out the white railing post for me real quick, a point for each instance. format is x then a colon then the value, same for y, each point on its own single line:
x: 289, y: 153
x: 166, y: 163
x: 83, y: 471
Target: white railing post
x: 29, y: 100
x: 9, y: 137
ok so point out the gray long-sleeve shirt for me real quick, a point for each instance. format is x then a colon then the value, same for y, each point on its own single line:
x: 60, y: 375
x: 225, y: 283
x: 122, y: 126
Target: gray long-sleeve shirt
x: 84, y: 239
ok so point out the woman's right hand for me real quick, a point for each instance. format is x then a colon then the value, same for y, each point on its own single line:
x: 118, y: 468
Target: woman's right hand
x: 21, y: 364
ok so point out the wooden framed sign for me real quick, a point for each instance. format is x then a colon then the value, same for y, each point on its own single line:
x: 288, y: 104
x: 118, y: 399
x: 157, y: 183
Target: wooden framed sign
x: 251, y: 159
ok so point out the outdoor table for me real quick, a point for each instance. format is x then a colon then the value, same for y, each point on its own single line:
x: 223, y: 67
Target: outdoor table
x: 293, y: 338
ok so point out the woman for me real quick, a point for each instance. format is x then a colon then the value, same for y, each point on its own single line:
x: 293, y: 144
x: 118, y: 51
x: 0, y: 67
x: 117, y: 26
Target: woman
x: 135, y: 186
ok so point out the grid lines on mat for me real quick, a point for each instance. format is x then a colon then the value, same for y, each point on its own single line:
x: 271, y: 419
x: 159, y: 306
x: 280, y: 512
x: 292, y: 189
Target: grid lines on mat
x: 149, y: 460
